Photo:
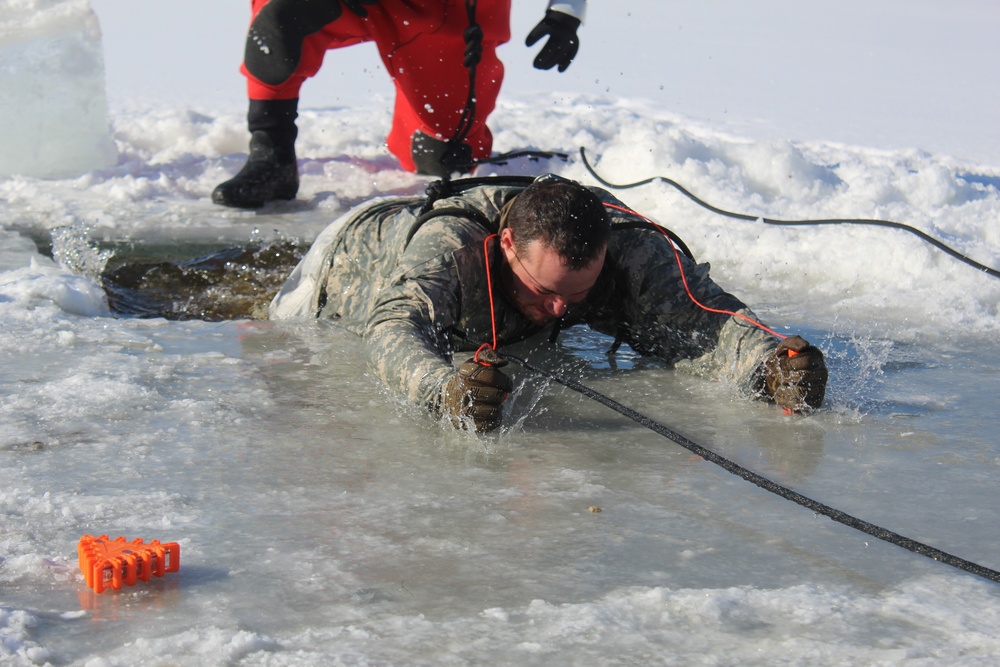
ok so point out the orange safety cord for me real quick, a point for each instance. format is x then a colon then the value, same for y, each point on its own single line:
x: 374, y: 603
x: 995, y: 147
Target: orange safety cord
x: 493, y: 310
x: 687, y: 289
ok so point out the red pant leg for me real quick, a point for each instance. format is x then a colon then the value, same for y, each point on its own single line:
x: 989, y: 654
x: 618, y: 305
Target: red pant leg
x: 422, y: 44
x: 432, y: 84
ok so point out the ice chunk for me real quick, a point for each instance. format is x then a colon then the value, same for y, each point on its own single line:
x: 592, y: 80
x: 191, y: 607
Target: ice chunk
x: 41, y: 283
x: 53, y: 107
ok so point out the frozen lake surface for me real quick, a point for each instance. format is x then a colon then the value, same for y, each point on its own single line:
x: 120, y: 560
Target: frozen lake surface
x: 323, y: 522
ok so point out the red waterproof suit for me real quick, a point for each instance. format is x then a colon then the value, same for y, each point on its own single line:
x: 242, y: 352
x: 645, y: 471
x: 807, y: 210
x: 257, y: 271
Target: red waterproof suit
x: 422, y: 44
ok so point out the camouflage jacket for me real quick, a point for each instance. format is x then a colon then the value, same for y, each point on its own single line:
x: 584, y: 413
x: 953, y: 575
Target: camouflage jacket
x: 417, y: 292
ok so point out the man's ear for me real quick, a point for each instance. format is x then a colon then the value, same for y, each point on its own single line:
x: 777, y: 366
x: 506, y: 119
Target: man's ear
x: 507, y: 239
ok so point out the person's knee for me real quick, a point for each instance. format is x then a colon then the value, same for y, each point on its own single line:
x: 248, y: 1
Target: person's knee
x: 274, y: 41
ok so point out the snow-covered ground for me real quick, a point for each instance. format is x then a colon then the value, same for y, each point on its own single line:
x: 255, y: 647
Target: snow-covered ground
x: 322, y: 523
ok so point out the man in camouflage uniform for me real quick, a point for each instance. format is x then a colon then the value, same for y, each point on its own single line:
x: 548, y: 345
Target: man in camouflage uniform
x: 414, y: 280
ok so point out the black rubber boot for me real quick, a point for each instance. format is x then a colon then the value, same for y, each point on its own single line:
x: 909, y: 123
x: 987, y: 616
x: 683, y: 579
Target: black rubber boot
x: 271, y: 171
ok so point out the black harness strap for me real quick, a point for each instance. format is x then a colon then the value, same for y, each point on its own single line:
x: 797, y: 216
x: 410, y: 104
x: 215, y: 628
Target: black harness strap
x: 456, y: 211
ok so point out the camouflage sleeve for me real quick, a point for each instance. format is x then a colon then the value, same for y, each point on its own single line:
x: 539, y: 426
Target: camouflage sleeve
x: 693, y: 338
x: 406, y: 342
x: 408, y: 330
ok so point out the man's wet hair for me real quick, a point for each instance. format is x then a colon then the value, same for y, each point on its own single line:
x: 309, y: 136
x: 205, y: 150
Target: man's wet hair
x: 565, y: 216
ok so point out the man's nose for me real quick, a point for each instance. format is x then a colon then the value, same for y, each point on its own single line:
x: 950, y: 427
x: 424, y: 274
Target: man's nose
x: 557, y: 306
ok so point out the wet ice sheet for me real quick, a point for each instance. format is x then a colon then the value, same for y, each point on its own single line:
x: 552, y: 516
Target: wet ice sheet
x: 321, y: 520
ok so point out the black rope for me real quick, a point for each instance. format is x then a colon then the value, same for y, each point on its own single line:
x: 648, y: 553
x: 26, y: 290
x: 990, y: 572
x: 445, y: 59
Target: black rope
x: 457, y: 155
x: 773, y: 221
x: 473, y: 54
x: 763, y: 482
x: 503, y: 158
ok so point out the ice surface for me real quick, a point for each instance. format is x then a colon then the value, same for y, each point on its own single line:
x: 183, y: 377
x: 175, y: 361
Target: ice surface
x: 321, y: 522
x: 53, y: 108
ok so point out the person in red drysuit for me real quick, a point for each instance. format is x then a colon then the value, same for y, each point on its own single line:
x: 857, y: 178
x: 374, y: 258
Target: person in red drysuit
x: 426, y: 46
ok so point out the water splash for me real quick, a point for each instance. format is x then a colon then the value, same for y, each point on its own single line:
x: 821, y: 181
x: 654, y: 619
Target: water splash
x: 72, y: 249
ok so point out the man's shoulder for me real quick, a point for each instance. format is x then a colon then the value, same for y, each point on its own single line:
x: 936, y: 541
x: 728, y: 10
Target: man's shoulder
x: 446, y: 233
x: 463, y: 218
x: 486, y: 199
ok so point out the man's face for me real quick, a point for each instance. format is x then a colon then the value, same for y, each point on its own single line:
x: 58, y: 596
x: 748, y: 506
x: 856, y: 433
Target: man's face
x: 541, y: 285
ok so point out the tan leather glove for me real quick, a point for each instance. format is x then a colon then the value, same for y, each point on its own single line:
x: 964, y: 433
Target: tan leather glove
x: 477, y: 390
x: 796, y: 381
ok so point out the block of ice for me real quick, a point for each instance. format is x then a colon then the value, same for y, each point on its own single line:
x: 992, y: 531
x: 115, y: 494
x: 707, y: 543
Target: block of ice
x: 53, y: 107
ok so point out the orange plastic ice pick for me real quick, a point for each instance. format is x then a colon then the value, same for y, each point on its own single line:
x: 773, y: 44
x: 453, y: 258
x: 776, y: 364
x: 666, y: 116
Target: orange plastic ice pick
x: 115, y: 563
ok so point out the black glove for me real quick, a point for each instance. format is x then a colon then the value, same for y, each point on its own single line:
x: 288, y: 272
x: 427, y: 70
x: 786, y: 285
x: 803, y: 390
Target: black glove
x: 356, y: 6
x: 477, y: 390
x: 562, y: 44
x: 796, y: 381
